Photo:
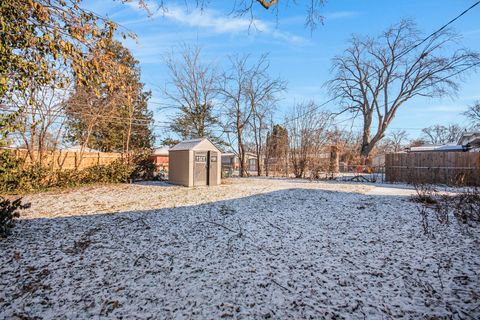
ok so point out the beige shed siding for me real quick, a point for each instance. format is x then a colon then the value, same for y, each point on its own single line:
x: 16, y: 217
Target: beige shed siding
x: 182, y: 161
x: 180, y: 166
x: 219, y: 169
x: 190, y: 168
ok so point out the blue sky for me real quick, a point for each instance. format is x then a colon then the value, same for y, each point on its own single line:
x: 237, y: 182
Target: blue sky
x: 297, y: 55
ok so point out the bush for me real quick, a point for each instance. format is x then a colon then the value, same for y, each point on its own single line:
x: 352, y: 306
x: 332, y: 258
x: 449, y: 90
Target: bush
x: 464, y: 207
x: 17, y: 178
x: 145, y: 169
x: 10, y: 167
x: 8, y: 212
x: 117, y: 172
x: 425, y: 194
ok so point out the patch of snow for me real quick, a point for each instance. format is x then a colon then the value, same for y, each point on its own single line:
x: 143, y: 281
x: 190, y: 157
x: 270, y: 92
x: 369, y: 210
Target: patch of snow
x: 250, y: 248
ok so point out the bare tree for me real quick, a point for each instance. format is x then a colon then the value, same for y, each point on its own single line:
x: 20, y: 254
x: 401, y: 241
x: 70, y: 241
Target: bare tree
x: 41, y: 119
x: 473, y: 115
x: 248, y: 92
x: 438, y: 134
x: 261, y: 91
x: 260, y: 126
x: 375, y: 76
x: 308, y: 133
x: 395, y: 141
x: 192, y: 89
x: 417, y: 142
x: 247, y: 7
x: 236, y: 111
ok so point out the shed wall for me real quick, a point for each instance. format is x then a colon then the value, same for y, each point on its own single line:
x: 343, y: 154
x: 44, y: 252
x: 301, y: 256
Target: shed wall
x: 216, y: 166
x: 180, y: 165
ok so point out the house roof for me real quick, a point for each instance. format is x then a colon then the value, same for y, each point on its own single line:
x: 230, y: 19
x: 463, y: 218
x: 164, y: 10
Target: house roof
x: 162, y: 151
x: 195, y: 144
x: 437, y: 148
x: 471, y: 138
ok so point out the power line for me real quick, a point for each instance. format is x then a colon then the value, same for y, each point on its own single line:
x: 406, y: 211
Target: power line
x: 412, y: 48
x: 440, y: 29
x: 313, y: 109
x: 135, y: 121
x: 153, y: 125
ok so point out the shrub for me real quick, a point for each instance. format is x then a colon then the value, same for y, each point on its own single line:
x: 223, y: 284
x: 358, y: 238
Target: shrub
x: 18, y: 179
x: 15, y: 177
x: 425, y: 194
x: 116, y: 172
x: 8, y: 212
x: 145, y: 169
x: 464, y: 207
x: 9, y: 169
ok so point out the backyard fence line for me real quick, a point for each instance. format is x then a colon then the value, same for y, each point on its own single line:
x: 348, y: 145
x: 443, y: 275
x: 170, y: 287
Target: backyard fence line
x: 68, y: 160
x: 450, y: 168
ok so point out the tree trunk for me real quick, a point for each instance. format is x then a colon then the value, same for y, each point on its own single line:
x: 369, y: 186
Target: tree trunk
x: 241, y: 147
x: 366, y: 141
x: 241, y: 156
x: 259, y: 167
x: 129, y: 131
x: 267, y: 160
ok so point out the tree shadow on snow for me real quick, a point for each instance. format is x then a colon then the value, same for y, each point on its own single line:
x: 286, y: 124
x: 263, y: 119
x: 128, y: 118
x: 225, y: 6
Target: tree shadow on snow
x: 292, y: 253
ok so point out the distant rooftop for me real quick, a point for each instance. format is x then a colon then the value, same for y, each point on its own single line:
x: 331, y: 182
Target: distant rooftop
x: 161, y: 151
x: 439, y: 148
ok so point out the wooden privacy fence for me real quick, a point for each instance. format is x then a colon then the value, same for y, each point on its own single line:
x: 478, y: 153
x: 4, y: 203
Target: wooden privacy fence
x: 451, y: 168
x: 65, y: 160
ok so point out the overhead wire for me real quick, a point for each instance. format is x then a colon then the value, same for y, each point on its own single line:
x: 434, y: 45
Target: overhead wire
x: 443, y: 27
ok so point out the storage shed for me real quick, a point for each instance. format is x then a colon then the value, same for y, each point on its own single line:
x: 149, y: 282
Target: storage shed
x: 195, y: 162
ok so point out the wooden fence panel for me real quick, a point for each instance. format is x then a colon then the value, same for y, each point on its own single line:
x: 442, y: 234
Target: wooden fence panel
x: 451, y: 168
x: 71, y: 160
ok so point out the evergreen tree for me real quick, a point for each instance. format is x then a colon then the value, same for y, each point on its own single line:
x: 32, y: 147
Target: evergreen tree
x: 116, y: 120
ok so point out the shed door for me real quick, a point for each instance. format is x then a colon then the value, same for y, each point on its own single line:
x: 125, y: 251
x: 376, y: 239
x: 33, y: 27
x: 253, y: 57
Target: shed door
x: 200, y: 169
x: 252, y: 164
x: 212, y: 168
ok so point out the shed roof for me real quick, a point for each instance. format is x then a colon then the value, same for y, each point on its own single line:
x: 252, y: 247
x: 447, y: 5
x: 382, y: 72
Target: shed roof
x: 195, y: 144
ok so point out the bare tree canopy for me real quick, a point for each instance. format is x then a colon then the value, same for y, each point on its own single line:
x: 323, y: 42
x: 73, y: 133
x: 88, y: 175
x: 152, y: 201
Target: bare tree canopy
x: 473, y: 115
x: 192, y: 90
x: 248, y: 8
x: 308, y: 133
x: 248, y: 92
x: 377, y: 75
x: 438, y: 134
x: 40, y: 120
x: 394, y: 141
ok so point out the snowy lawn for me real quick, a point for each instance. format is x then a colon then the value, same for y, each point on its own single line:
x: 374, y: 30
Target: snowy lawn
x: 251, y: 248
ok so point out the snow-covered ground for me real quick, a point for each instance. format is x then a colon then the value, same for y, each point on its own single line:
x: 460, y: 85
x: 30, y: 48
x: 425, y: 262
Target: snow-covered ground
x: 251, y: 248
